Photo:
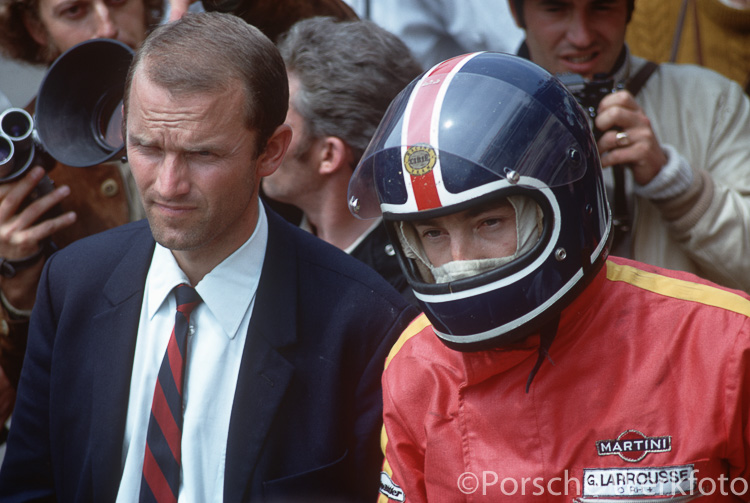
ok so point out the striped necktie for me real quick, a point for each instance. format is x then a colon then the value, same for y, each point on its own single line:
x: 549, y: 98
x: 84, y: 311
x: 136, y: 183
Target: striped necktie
x: 161, y: 464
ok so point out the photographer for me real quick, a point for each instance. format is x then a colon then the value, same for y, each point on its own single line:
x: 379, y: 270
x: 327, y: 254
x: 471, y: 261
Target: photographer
x: 89, y: 199
x: 683, y: 139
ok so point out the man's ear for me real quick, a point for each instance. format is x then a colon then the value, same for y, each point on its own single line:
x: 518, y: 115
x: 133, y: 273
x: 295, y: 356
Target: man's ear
x: 276, y: 146
x: 36, y: 29
x: 335, y: 154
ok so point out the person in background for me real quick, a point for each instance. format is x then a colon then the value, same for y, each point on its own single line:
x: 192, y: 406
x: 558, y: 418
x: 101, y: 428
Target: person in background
x: 272, y: 17
x: 267, y: 388
x: 543, y: 366
x: 436, y: 30
x: 342, y: 76
x: 710, y: 33
x: 673, y: 141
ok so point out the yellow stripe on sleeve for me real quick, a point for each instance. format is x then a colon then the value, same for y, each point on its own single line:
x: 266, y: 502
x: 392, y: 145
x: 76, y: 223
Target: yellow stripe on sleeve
x: 416, y: 326
x: 678, y: 289
x: 383, y: 439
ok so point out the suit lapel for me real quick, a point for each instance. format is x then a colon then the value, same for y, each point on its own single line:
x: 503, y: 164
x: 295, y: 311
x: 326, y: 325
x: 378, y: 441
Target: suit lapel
x: 262, y: 381
x: 264, y: 373
x: 114, y: 330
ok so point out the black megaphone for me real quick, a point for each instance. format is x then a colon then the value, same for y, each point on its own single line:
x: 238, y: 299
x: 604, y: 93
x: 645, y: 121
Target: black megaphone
x: 79, y: 105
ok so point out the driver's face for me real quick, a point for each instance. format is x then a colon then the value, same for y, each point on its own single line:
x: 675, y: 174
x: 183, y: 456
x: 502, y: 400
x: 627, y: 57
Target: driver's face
x: 487, y: 231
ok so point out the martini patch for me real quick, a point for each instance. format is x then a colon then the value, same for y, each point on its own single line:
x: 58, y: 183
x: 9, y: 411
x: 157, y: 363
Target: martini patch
x: 633, y: 446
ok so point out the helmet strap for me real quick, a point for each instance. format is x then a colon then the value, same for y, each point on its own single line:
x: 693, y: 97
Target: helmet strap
x: 547, y: 335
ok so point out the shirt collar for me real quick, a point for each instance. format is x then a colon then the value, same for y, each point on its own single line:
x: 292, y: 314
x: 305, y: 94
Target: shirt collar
x: 227, y: 291
x: 305, y: 226
x: 377, y: 221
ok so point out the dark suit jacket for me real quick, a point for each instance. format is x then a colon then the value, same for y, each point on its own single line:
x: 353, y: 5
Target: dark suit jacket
x: 306, y: 417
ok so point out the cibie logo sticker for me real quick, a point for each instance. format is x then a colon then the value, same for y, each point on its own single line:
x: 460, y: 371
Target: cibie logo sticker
x: 390, y: 489
x: 420, y: 159
x: 653, y: 481
x: 633, y: 446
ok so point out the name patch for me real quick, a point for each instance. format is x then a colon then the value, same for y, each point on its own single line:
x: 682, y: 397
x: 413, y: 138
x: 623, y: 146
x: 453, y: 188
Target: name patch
x: 651, y: 481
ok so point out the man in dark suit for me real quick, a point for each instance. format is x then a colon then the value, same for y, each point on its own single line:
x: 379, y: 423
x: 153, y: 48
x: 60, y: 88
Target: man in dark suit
x: 277, y: 373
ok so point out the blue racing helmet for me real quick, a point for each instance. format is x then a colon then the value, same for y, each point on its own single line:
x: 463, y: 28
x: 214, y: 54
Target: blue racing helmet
x: 474, y: 129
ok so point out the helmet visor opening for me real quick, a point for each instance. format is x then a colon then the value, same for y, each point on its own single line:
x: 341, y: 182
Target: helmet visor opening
x: 473, y: 241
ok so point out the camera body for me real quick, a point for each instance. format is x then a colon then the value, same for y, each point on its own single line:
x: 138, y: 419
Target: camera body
x: 588, y: 93
x: 20, y: 149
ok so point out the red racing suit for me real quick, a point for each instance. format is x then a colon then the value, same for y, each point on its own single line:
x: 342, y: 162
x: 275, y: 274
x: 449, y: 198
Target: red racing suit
x: 646, y: 395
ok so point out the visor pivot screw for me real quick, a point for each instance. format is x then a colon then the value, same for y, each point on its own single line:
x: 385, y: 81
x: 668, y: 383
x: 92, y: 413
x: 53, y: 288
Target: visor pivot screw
x: 574, y: 155
x: 354, y: 204
x: 512, y: 176
x: 560, y: 254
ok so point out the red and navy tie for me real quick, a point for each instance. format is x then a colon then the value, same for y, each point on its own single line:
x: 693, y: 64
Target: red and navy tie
x: 161, y: 465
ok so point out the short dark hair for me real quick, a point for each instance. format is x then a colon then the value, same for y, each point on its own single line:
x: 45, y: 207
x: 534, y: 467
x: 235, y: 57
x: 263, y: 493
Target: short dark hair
x: 210, y: 51
x: 349, y: 71
x: 518, y: 4
x: 17, y: 43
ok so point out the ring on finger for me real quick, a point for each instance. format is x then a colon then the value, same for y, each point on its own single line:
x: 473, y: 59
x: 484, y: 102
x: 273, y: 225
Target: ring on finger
x: 622, y: 139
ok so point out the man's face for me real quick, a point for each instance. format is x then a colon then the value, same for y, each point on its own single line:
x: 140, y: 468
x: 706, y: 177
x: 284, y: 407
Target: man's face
x: 576, y: 36
x: 65, y: 23
x: 486, y: 231
x: 195, y: 164
x: 297, y: 176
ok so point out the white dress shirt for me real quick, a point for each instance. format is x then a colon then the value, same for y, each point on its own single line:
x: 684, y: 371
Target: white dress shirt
x: 216, y: 339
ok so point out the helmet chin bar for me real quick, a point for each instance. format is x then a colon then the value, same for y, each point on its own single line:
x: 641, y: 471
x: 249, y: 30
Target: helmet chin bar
x: 462, y: 269
x: 513, y: 331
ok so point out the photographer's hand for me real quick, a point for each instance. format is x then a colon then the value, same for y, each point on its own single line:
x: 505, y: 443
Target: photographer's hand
x: 22, y: 234
x: 637, y: 146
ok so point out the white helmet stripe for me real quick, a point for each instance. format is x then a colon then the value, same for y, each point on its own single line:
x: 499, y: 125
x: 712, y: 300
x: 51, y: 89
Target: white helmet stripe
x: 422, y: 175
